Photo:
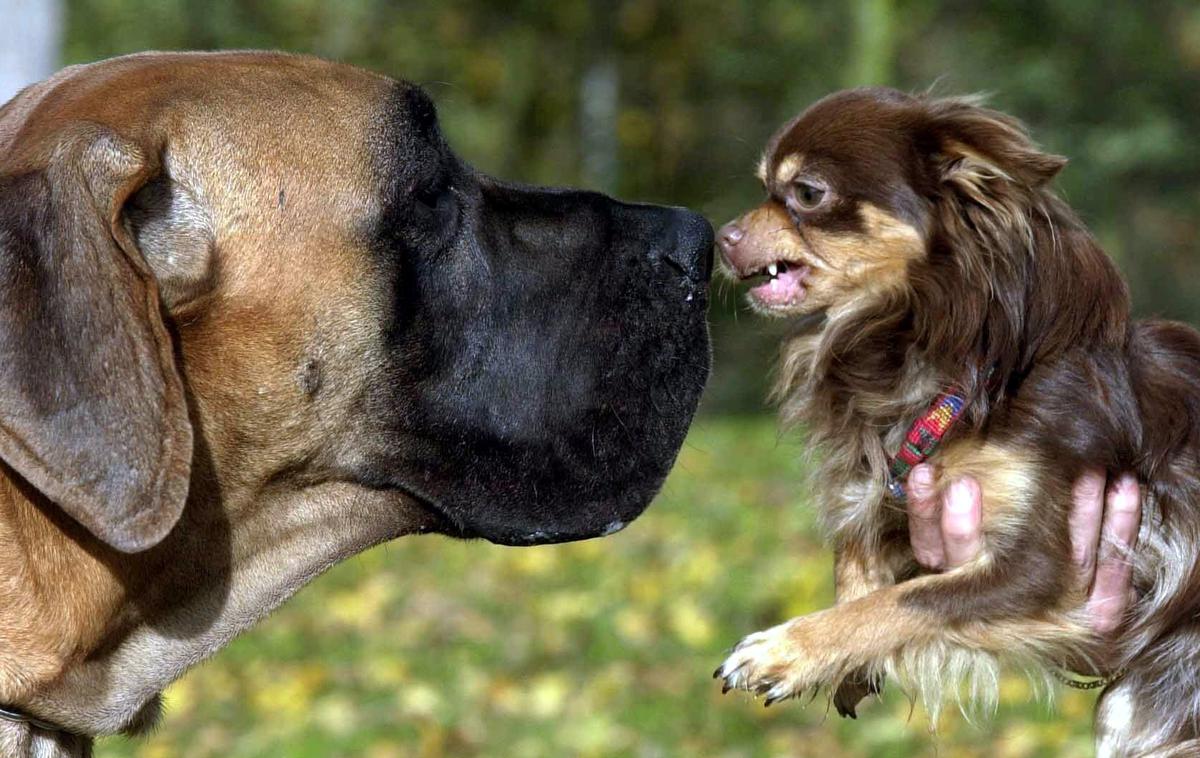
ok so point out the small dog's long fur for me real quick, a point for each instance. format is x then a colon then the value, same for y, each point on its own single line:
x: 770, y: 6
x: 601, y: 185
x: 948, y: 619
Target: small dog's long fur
x: 934, y: 256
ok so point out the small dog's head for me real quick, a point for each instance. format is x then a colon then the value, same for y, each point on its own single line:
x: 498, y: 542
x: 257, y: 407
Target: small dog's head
x: 869, y: 185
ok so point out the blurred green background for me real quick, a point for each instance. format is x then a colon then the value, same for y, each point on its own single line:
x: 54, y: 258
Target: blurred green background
x: 673, y: 100
x: 434, y: 648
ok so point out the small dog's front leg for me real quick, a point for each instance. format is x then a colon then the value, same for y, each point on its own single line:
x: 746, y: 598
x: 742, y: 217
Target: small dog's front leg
x: 857, y: 573
x: 896, y: 624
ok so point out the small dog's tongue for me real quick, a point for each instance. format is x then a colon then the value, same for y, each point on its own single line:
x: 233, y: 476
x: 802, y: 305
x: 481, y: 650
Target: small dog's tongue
x: 785, y: 288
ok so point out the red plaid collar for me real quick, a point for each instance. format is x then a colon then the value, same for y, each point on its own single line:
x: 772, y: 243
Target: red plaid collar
x: 924, y: 437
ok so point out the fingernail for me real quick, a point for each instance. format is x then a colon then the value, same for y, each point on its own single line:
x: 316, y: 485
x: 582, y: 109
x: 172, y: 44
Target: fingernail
x: 962, y: 496
x: 922, y: 480
x: 1127, y: 483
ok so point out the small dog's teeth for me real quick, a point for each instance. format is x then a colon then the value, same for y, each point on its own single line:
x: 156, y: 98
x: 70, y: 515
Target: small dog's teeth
x: 773, y: 269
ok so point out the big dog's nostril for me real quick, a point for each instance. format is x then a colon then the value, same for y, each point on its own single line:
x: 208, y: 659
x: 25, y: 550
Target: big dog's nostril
x: 692, y: 251
x: 679, y: 238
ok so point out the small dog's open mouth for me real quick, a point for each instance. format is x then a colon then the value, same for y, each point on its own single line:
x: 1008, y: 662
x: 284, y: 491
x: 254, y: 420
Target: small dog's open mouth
x: 784, y: 285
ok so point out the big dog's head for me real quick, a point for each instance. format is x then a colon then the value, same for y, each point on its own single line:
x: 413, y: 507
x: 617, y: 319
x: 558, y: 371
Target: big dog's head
x: 281, y: 260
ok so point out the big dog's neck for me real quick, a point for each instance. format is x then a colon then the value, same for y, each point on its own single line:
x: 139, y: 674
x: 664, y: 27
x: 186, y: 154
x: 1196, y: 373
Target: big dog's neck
x: 91, y: 637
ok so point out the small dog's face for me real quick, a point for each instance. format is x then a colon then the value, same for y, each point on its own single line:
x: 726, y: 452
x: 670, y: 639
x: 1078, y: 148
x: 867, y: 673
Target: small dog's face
x: 853, y: 187
x: 841, y: 216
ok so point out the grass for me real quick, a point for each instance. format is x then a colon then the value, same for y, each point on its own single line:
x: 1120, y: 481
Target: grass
x: 430, y: 647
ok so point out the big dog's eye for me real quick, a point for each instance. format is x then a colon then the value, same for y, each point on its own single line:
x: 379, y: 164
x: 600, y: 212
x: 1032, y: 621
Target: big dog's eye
x: 434, y: 208
x: 428, y: 212
x: 434, y: 196
x: 808, y: 196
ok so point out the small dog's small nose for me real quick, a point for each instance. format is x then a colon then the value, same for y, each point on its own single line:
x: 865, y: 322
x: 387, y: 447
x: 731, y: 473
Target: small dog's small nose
x: 730, y: 235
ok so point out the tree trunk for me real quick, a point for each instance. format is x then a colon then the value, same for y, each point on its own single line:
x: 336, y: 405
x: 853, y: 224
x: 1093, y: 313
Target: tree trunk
x: 874, y: 43
x: 599, y: 102
x: 30, y: 43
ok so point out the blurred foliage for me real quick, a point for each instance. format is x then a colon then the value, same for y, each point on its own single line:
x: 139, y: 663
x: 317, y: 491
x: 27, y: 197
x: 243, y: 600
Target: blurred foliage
x: 703, y: 83
x: 429, y: 647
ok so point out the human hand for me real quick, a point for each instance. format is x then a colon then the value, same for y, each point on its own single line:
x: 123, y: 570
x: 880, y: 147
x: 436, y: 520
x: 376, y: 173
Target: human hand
x: 946, y: 533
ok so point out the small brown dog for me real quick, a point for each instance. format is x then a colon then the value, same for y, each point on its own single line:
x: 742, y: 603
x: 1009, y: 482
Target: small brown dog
x: 944, y: 298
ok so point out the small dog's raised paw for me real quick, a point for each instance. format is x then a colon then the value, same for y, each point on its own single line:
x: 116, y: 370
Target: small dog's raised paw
x: 775, y: 663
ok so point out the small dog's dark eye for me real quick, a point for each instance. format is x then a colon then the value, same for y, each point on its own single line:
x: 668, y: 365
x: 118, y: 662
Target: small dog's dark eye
x: 808, y: 196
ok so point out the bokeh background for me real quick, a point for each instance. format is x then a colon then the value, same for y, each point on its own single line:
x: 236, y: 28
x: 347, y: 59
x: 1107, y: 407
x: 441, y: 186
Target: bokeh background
x: 433, y: 648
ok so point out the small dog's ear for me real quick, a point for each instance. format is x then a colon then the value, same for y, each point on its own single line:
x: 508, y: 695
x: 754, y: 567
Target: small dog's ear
x: 974, y: 146
x: 92, y: 409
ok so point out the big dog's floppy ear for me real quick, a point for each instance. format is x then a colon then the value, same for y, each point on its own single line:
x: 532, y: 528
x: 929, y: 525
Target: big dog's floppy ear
x: 92, y: 410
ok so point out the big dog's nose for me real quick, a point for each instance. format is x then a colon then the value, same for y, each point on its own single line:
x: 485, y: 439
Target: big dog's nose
x: 692, y: 252
x: 681, y: 239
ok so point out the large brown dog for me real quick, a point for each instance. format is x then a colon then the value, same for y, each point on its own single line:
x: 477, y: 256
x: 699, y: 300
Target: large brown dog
x: 255, y: 317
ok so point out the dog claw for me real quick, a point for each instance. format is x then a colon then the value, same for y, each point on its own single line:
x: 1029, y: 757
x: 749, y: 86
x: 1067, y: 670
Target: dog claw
x: 717, y: 673
x: 852, y: 690
x: 725, y: 688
